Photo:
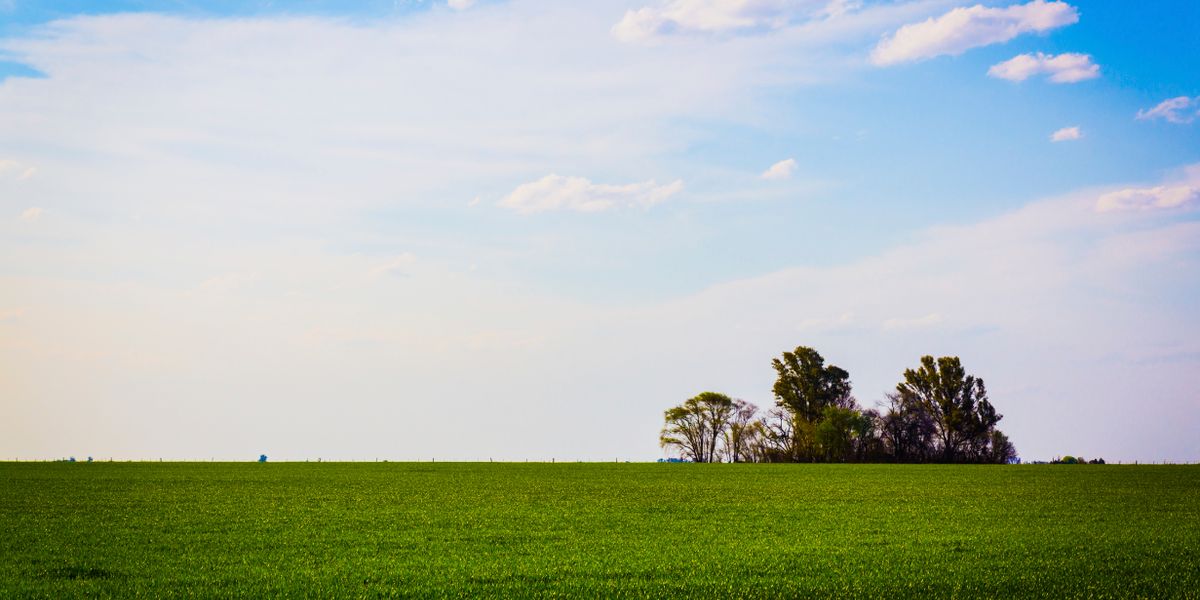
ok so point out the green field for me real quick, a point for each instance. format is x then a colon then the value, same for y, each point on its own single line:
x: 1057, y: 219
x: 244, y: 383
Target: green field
x: 596, y: 530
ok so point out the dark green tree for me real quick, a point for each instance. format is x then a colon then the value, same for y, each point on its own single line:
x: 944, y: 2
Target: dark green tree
x: 956, y: 404
x: 836, y: 433
x: 805, y: 386
x: 907, y: 432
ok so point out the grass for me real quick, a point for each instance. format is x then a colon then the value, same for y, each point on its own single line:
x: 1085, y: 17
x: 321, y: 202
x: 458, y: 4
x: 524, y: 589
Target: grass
x: 595, y: 530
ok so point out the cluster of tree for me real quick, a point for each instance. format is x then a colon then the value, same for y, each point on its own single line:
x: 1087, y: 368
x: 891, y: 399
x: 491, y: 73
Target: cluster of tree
x: 938, y: 413
x: 1076, y: 460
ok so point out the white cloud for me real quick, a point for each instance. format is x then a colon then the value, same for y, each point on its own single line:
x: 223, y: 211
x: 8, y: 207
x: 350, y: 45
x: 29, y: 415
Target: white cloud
x: 722, y: 16
x: 17, y: 171
x: 1066, y: 134
x: 225, y: 283
x: 1149, y: 198
x: 1063, y: 68
x: 460, y: 4
x: 556, y: 192
x: 31, y: 214
x: 1174, y: 110
x: 840, y: 322
x: 837, y: 8
x: 578, y: 103
x: 396, y: 266
x: 964, y: 28
x: 780, y: 170
x: 913, y: 323
x: 10, y: 314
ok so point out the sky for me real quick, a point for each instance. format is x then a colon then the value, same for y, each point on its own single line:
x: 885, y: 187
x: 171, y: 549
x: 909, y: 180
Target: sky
x: 522, y: 229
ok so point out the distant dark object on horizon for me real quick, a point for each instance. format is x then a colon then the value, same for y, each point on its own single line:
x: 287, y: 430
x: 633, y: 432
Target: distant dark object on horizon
x: 1076, y: 460
x: 262, y: 458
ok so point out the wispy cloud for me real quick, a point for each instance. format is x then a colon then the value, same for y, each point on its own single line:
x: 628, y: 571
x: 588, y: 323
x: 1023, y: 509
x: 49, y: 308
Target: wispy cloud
x: 780, y: 170
x: 15, y: 170
x: 226, y: 282
x: 964, y: 28
x: 1066, y: 134
x: 32, y: 213
x: 1061, y: 68
x: 397, y: 265
x: 556, y: 192
x: 824, y: 324
x: 928, y: 320
x: 1149, y: 198
x: 1174, y: 110
x: 460, y: 4
x: 676, y: 17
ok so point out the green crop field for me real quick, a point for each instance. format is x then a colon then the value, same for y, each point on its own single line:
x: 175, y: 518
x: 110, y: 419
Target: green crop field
x: 595, y: 530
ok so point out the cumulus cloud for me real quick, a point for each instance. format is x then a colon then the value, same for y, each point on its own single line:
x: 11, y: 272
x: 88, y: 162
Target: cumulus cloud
x: 556, y: 192
x: 1174, y: 110
x: 964, y: 28
x: 1062, y: 68
x: 1150, y: 198
x: 722, y: 16
x: 780, y: 170
x: 31, y: 214
x: 1066, y: 134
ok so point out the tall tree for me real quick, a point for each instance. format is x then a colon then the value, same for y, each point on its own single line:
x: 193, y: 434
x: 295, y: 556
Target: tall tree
x: 956, y: 403
x: 805, y: 386
x: 696, y: 426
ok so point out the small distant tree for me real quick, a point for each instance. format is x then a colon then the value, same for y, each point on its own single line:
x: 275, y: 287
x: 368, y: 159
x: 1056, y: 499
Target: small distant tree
x: 695, y: 427
x: 262, y: 458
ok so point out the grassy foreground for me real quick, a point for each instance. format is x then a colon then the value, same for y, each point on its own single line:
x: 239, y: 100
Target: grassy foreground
x: 595, y: 530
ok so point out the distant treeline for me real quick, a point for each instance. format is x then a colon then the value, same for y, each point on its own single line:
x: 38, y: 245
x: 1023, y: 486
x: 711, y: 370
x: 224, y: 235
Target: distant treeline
x: 938, y: 413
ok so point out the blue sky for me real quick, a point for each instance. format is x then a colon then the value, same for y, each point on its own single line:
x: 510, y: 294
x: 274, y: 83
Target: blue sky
x: 278, y: 227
